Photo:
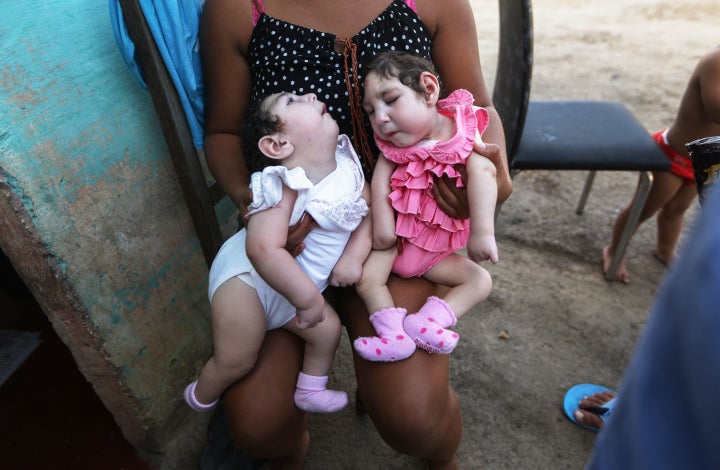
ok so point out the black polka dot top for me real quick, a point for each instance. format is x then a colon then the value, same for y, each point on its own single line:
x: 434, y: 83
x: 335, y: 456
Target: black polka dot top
x: 287, y: 57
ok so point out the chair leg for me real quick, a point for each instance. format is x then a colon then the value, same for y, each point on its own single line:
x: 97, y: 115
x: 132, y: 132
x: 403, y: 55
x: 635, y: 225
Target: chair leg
x: 586, y: 192
x: 646, y: 178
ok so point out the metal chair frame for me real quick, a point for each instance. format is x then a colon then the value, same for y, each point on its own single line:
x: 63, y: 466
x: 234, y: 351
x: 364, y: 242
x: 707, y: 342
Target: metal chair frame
x: 567, y: 135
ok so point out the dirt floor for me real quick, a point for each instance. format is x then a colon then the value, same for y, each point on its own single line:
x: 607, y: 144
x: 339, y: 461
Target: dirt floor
x: 565, y: 323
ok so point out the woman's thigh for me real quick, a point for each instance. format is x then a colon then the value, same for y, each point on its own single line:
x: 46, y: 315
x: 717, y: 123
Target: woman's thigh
x: 260, y: 408
x: 410, y: 402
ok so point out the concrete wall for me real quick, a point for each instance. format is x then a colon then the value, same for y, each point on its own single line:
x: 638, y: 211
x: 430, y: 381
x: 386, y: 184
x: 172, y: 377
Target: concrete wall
x: 93, y: 219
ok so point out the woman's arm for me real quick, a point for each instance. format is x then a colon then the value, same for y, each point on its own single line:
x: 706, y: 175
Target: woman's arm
x: 265, y: 245
x: 457, y: 58
x: 224, y: 34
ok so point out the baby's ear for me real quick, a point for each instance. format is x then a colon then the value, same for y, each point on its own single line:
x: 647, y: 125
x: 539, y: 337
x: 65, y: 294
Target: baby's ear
x: 275, y: 147
x: 432, y: 88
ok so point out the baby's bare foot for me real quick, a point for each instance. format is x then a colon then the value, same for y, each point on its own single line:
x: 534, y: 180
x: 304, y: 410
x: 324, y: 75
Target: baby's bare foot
x: 621, y: 275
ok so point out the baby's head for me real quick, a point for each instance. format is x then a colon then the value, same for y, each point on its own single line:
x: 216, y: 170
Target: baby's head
x: 259, y: 122
x: 401, y: 94
x: 284, y: 125
x: 407, y: 68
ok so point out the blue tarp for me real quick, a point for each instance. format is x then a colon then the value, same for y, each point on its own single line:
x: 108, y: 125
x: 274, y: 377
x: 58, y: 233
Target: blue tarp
x: 174, y: 25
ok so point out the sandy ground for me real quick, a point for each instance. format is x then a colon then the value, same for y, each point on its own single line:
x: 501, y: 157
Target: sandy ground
x: 565, y: 323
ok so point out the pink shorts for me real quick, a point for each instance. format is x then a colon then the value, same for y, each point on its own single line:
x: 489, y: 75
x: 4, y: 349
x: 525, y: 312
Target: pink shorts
x: 679, y: 164
x: 413, y: 261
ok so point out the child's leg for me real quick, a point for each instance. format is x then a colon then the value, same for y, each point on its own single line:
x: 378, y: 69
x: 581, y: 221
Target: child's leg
x: 239, y: 323
x: 470, y: 284
x: 670, y: 220
x: 664, y: 186
x: 372, y: 287
x: 391, y: 343
x: 321, y: 342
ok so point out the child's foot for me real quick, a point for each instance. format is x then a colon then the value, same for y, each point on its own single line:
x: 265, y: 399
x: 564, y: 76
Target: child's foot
x: 391, y: 343
x: 621, y: 275
x: 311, y: 395
x: 193, y: 402
x: 427, y: 327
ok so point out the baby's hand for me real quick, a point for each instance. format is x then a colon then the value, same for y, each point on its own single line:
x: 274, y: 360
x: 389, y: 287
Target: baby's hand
x: 483, y: 248
x: 345, y: 273
x: 309, y: 317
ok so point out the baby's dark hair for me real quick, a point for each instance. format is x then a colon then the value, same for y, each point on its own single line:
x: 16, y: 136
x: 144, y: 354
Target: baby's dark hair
x: 406, y: 67
x: 258, y: 123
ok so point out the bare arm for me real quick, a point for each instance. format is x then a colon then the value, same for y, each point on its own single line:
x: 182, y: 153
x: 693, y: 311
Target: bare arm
x: 457, y: 58
x: 383, y: 215
x: 348, y: 269
x: 482, y: 194
x: 224, y: 36
x: 699, y: 112
x: 265, y: 245
x: 224, y: 33
x: 709, y: 84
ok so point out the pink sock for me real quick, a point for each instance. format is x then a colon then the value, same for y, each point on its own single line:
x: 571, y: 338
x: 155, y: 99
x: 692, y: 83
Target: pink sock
x: 391, y: 343
x: 311, y: 395
x: 193, y: 402
x: 427, y: 327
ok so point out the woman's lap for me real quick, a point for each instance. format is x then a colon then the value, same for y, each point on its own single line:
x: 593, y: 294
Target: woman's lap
x: 410, y: 402
x: 260, y: 407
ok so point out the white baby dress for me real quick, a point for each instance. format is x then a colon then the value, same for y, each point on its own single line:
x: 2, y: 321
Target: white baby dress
x: 335, y: 203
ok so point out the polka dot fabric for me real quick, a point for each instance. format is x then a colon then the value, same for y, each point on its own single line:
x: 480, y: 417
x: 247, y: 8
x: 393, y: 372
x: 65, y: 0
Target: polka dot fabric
x: 287, y: 57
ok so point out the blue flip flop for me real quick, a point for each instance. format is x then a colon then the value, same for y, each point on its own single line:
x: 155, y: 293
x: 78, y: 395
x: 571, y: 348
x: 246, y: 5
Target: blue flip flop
x: 577, y: 392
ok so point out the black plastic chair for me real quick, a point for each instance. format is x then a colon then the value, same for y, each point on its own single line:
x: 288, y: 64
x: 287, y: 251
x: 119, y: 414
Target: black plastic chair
x: 567, y: 135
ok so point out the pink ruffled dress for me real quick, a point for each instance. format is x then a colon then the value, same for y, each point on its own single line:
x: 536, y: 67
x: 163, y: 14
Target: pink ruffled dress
x: 426, y: 233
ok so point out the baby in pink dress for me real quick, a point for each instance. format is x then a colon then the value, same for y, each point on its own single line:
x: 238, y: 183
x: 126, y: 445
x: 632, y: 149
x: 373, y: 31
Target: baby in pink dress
x: 422, y: 138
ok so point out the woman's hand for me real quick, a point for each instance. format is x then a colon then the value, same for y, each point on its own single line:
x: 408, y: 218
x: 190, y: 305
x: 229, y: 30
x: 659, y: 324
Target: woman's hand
x: 450, y: 198
x: 453, y: 200
x: 296, y: 234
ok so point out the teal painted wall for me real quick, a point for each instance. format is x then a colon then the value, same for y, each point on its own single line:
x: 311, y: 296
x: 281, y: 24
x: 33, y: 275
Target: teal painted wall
x: 80, y: 144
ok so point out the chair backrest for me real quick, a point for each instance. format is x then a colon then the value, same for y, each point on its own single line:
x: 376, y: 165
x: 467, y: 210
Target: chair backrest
x: 511, y: 94
x: 200, y: 196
